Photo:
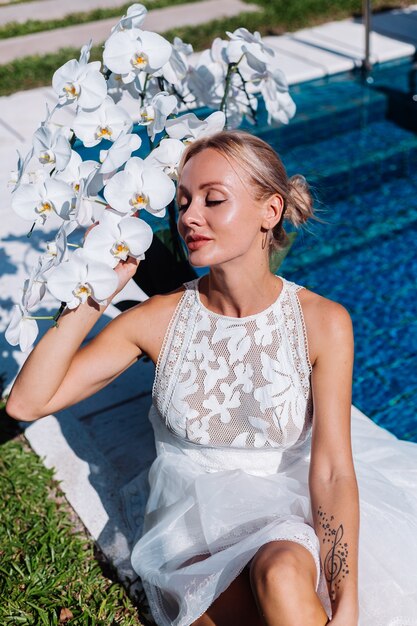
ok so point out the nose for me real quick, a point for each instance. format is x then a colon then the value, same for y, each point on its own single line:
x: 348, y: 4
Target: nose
x: 192, y: 215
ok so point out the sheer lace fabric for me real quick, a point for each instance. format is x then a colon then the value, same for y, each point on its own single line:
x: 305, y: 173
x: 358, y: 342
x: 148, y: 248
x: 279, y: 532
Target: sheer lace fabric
x: 232, y: 414
x: 236, y: 382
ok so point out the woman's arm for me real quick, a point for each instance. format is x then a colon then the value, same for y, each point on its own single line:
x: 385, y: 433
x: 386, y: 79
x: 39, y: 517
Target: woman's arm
x: 332, y: 480
x: 59, y: 373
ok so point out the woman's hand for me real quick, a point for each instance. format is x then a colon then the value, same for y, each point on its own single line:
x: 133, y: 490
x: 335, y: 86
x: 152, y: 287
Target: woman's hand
x: 125, y: 270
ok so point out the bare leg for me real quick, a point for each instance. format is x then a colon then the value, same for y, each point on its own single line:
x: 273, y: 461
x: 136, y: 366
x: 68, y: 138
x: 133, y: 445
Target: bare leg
x: 234, y: 607
x: 283, y: 578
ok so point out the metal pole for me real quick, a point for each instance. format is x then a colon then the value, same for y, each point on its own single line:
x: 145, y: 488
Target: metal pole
x: 366, y: 65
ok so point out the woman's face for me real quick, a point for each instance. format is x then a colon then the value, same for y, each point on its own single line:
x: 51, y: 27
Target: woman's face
x: 219, y: 219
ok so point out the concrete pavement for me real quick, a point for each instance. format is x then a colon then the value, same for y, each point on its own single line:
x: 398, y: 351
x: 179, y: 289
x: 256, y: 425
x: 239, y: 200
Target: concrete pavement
x: 157, y: 20
x: 50, y: 9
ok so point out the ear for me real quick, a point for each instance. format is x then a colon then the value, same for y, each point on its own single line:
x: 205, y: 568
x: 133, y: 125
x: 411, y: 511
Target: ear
x: 273, y: 209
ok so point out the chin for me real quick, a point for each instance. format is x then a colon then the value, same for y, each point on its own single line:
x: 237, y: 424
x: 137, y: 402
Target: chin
x: 198, y: 262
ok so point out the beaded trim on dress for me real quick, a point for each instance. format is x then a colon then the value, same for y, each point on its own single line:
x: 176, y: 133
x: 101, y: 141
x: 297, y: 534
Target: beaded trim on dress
x: 236, y: 382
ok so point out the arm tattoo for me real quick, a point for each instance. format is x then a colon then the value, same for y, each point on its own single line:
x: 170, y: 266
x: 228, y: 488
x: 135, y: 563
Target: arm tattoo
x: 335, y: 562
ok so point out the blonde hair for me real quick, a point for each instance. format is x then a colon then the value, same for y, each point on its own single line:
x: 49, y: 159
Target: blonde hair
x: 266, y: 174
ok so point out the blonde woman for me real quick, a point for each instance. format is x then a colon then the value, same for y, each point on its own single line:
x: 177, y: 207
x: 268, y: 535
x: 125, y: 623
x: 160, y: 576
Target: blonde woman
x: 253, y: 512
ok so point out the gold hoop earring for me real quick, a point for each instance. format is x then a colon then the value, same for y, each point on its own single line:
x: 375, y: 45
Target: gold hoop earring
x: 264, y: 240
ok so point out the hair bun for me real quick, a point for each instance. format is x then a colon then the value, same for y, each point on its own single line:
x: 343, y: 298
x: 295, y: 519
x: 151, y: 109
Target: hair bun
x: 299, y: 206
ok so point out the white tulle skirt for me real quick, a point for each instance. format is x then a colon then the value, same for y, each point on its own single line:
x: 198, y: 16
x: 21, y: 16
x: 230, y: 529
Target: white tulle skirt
x: 209, y: 511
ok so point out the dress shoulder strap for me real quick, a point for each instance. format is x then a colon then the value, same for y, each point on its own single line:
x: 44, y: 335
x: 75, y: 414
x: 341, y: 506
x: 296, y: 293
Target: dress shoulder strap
x: 173, y: 346
x: 297, y: 331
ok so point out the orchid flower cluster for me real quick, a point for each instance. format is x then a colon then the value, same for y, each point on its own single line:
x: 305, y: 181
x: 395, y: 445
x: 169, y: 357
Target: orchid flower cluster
x: 52, y: 182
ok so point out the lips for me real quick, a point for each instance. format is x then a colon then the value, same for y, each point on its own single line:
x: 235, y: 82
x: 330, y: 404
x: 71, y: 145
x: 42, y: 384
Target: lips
x: 194, y: 242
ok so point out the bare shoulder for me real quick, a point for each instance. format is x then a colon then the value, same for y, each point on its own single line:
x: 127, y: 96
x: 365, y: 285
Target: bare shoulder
x: 147, y: 322
x: 328, y: 323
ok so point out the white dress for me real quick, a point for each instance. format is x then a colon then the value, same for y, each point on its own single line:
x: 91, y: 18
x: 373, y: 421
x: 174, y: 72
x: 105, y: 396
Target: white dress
x: 232, y: 413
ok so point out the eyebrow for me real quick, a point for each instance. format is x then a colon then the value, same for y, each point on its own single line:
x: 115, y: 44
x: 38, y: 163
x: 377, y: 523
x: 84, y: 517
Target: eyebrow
x: 204, y: 185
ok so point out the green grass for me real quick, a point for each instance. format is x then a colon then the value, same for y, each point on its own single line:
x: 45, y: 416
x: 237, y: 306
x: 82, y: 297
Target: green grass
x: 275, y: 18
x: 16, y: 29
x: 48, y: 564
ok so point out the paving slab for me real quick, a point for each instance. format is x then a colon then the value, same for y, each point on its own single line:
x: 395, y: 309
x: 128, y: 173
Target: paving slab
x: 326, y: 61
x: 157, y: 20
x: 296, y: 69
x: 347, y: 38
x: 51, y: 9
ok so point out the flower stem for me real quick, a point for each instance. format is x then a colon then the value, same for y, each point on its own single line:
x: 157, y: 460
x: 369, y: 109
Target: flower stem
x: 59, y: 313
x: 31, y: 230
x: 143, y: 92
x: 231, y: 69
x: 252, y: 110
x: 39, y: 317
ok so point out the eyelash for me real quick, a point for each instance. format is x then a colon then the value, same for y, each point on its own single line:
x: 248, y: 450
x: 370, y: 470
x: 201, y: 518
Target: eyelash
x: 182, y: 207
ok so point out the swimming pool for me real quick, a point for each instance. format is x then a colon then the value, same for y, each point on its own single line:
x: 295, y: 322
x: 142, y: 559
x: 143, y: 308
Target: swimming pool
x: 357, y: 144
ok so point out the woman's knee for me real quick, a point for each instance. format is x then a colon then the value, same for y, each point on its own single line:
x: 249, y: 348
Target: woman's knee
x: 281, y: 566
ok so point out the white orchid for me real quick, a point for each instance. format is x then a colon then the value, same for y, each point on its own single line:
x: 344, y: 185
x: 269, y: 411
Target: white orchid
x: 160, y: 78
x: 108, y: 121
x: 29, y: 177
x: 34, y: 287
x: 115, y: 239
x: 167, y: 156
x: 22, y: 330
x: 134, y: 18
x: 139, y: 186
x: 76, y: 170
x: 81, y: 277
x: 117, y: 88
x: 56, y: 250
x: 242, y: 42
x: 129, y: 52
x: 88, y: 206
x: 278, y: 102
x: 206, y: 80
x: 175, y: 69
x: 155, y: 115
x: 188, y: 127
x: 80, y: 82
x: 51, y: 146
x: 17, y: 176
x: 119, y: 152
x: 40, y: 200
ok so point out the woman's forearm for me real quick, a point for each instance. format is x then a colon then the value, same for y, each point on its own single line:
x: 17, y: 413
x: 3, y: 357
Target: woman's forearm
x: 49, y: 361
x: 335, y: 508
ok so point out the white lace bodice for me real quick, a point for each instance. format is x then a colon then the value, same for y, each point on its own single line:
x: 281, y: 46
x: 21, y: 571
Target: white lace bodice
x: 236, y: 382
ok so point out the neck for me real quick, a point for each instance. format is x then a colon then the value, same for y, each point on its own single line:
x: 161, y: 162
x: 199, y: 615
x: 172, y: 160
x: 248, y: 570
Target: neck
x: 237, y: 291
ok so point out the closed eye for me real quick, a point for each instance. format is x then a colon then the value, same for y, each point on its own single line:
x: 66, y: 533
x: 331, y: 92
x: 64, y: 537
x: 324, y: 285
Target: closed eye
x: 213, y: 202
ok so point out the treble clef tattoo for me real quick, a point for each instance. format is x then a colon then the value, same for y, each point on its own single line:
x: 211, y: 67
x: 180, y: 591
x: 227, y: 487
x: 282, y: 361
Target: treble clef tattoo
x: 335, y: 563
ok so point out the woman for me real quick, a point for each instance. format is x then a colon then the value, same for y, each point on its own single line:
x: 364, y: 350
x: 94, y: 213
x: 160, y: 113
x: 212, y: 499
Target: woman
x: 253, y: 513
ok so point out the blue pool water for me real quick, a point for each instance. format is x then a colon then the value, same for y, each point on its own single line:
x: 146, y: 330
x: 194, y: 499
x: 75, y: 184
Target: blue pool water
x: 357, y: 145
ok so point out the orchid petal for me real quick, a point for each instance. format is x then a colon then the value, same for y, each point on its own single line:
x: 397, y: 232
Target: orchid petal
x: 120, y: 152
x: 21, y: 330
x: 159, y: 188
x: 137, y: 234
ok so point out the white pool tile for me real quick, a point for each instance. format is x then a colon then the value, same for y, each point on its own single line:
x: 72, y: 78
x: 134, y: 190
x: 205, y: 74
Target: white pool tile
x: 327, y: 61
x: 347, y: 38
